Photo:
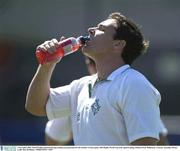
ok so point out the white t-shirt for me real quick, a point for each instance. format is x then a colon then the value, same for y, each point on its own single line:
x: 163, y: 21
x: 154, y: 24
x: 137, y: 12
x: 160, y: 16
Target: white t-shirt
x: 60, y: 129
x: 116, y: 111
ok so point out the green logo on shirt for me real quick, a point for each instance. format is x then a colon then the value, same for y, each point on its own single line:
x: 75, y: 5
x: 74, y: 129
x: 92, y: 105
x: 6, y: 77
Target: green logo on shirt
x: 95, y: 107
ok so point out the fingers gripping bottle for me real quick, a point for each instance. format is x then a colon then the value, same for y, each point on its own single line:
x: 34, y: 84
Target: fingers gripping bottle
x: 66, y: 47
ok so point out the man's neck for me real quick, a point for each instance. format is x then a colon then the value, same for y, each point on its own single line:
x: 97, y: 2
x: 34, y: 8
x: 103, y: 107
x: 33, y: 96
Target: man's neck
x: 107, y: 65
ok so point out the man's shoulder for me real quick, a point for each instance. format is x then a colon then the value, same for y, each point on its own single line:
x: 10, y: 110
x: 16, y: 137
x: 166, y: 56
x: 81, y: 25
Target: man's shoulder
x: 131, y: 76
x: 136, y: 80
x: 83, y: 80
x: 133, y: 79
x: 135, y: 75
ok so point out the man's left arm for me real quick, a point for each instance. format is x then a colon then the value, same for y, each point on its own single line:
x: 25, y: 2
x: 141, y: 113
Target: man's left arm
x: 145, y: 141
x: 140, y: 109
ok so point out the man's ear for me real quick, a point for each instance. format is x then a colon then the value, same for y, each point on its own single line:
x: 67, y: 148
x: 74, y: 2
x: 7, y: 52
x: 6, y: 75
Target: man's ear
x: 119, y: 44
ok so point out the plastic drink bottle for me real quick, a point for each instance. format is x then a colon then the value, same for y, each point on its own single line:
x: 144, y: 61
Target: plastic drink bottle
x: 66, y: 47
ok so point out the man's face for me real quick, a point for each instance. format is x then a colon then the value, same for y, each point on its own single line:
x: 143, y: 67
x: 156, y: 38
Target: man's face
x: 101, y: 39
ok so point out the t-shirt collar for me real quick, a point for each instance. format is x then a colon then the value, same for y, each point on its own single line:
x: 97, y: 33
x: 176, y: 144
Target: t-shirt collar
x: 112, y: 76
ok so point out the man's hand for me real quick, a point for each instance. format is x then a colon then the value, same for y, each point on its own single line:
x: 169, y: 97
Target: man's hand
x: 145, y: 141
x: 50, y: 46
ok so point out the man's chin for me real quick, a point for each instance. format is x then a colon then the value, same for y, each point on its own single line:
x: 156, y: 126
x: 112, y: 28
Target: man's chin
x: 85, y: 50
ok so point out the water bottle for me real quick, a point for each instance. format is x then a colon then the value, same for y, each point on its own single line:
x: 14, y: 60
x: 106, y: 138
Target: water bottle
x: 66, y: 47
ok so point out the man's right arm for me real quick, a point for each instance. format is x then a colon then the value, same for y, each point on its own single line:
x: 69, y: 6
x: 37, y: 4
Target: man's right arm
x: 38, y: 91
x: 39, y: 88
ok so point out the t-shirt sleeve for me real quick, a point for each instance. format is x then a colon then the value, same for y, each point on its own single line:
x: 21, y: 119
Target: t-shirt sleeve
x: 58, y: 104
x: 62, y: 100
x: 140, y: 109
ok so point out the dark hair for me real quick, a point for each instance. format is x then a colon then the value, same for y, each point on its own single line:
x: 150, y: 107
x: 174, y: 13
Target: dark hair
x: 128, y: 31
